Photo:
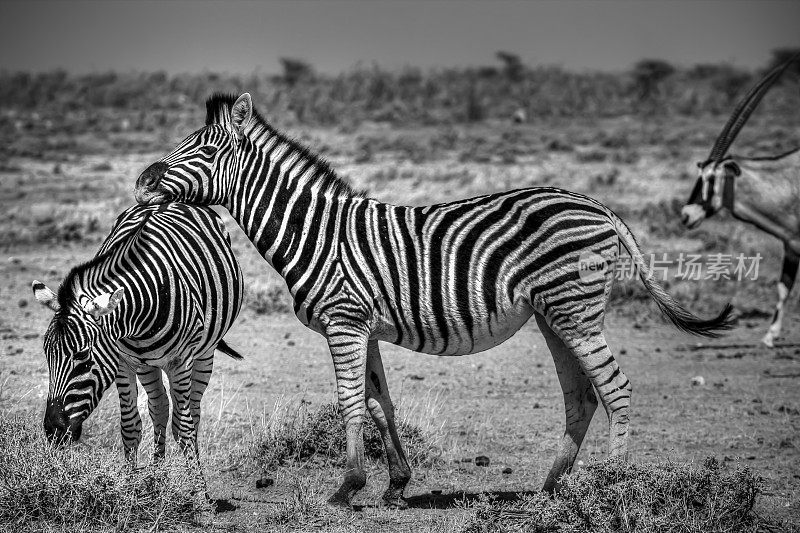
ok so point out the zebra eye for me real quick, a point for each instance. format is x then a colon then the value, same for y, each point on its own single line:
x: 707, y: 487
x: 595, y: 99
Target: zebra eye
x: 82, y: 355
x: 208, y: 151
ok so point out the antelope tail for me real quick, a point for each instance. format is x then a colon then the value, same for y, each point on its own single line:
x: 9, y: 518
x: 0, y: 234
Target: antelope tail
x: 683, y: 319
x: 223, y: 347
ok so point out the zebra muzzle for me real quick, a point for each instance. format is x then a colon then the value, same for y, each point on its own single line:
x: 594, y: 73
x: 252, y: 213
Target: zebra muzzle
x: 146, y: 185
x: 57, y: 426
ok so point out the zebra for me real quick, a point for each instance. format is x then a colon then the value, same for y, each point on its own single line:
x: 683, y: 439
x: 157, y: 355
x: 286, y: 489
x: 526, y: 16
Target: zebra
x: 759, y: 190
x: 448, y: 279
x: 159, y: 295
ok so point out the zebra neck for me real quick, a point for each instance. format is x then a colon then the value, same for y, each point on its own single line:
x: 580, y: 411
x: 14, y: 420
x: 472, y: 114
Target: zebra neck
x: 284, y: 197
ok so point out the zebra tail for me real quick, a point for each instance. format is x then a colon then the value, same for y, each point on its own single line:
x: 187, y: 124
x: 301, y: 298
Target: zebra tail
x: 681, y: 317
x: 223, y: 347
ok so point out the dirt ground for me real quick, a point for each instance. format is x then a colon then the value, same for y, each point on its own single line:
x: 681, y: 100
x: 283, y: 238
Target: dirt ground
x: 505, y: 404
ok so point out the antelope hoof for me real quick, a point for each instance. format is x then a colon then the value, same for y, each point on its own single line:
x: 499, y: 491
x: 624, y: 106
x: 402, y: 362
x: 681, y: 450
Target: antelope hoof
x: 768, y: 341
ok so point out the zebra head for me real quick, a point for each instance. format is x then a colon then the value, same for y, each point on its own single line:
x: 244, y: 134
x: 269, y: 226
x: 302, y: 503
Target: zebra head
x: 200, y: 168
x: 78, y: 377
x: 712, y: 190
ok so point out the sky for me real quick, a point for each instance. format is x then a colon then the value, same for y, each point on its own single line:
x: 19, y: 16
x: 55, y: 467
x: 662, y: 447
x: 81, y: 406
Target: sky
x: 334, y: 35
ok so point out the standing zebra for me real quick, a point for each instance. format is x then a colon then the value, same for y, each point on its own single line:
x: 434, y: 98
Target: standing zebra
x: 159, y: 295
x: 447, y: 279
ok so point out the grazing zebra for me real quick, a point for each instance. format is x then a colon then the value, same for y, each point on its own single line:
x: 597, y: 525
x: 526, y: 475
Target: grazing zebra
x: 447, y: 279
x: 759, y: 190
x: 160, y: 294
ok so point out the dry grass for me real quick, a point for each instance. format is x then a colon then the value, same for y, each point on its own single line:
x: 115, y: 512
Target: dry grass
x: 76, y: 488
x: 612, y: 496
x: 295, y: 434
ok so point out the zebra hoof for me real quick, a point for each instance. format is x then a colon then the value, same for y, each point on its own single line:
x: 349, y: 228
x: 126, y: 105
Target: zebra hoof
x: 340, y: 501
x: 395, y: 502
x: 768, y: 341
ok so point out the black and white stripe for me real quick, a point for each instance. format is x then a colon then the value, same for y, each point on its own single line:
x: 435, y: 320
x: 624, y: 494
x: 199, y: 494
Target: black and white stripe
x: 159, y: 295
x: 447, y: 279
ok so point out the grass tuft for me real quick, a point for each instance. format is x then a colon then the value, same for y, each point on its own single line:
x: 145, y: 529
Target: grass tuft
x: 300, y: 435
x: 612, y: 495
x: 73, y: 488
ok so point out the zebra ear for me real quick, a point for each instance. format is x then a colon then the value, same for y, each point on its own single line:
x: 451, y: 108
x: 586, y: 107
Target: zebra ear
x: 44, y: 295
x: 241, y: 113
x: 104, y: 304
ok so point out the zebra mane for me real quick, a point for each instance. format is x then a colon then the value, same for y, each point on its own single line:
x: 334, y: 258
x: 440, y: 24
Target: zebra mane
x: 66, y: 291
x: 218, y: 111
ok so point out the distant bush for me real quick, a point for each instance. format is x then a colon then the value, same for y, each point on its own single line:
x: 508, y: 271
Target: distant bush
x: 612, y: 496
x: 75, y: 488
x: 410, y: 95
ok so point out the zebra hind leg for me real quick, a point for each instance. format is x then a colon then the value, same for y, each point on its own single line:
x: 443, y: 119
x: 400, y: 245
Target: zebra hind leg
x: 201, y: 374
x: 611, y: 384
x: 158, y: 407
x: 580, y: 403
x: 131, y: 422
x: 380, y: 407
x: 183, y: 429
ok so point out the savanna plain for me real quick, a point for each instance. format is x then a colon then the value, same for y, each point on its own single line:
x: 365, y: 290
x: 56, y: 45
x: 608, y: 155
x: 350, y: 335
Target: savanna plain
x: 482, y: 430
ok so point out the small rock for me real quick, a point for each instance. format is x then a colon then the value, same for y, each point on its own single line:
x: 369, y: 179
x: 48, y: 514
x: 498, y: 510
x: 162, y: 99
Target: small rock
x: 466, y: 460
x: 290, y: 343
x: 287, y: 335
x: 436, y: 491
x: 30, y: 336
x: 22, y: 303
x: 481, y: 460
x: 698, y: 381
x: 786, y: 443
x: 623, y: 351
x: 507, y: 470
x: 658, y: 350
x: 264, y: 482
x: 719, y: 384
x: 416, y: 377
x: 536, y: 405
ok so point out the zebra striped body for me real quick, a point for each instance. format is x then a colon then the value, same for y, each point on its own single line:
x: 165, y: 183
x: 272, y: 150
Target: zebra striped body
x: 446, y: 279
x: 175, y: 289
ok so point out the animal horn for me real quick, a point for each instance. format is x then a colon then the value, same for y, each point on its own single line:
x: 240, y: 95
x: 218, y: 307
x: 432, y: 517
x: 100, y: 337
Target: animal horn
x: 744, y: 109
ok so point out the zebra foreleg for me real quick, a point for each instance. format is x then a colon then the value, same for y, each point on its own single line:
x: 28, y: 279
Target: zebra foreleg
x: 157, y: 406
x: 381, y: 408
x: 790, y: 263
x: 130, y: 421
x: 580, y: 403
x: 348, y: 347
